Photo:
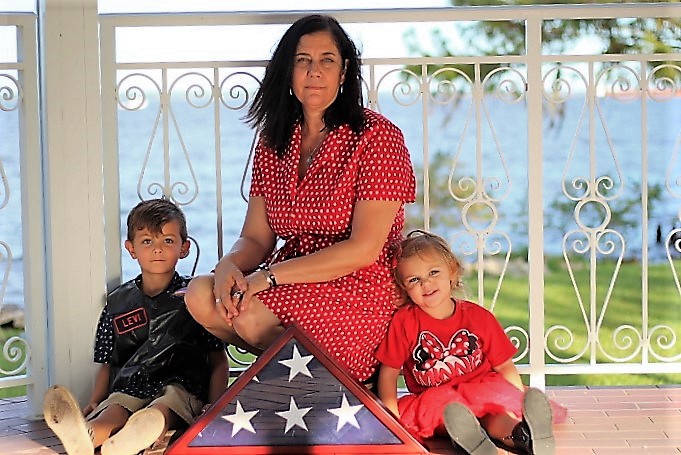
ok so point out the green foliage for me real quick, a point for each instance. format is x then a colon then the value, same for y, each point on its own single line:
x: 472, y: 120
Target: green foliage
x: 445, y: 210
x: 624, y: 307
x: 616, y: 35
x: 625, y: 213
x: 6, y: 365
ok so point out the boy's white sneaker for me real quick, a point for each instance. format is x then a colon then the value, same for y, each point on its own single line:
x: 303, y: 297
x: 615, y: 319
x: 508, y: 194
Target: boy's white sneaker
x: 63, y: 415
x: 465, y: 430
x: 141, y: 430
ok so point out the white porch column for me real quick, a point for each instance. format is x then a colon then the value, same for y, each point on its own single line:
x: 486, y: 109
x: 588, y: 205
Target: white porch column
x: 72, y: 148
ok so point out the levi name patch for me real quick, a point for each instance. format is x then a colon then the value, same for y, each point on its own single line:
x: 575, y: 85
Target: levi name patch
x: 130, y: 321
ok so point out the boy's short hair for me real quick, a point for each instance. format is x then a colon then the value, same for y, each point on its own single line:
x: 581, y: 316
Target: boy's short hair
x: 153, y: 215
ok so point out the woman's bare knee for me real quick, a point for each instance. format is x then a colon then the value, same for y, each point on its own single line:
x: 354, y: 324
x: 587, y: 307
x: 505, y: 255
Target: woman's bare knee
x: 199, y: 298
x: 200, y: 303
x: 258, y: 327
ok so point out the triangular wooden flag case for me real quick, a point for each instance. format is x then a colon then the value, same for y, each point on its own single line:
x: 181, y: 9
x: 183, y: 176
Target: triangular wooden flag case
x: 295, y: 399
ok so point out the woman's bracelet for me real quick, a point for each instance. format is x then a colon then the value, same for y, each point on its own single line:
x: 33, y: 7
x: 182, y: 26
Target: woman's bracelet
x: 269, y: 276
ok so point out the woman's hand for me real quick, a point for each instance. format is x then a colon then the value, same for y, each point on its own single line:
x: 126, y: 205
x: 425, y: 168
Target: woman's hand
x: 228, y: 280
x: 255, y: 243
x: 257, y: 282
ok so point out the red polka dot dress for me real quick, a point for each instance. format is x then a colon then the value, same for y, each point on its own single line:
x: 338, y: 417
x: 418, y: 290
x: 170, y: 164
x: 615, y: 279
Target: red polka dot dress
x: 348, y: 316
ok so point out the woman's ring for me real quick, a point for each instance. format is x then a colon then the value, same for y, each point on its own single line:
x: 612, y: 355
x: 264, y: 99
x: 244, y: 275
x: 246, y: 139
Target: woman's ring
x: 237, y: 294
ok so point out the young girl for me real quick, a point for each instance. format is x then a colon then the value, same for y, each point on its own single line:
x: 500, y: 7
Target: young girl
x: 457, y: 362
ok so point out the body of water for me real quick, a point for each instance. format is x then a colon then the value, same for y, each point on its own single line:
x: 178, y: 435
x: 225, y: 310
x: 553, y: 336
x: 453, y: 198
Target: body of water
x: 617, y: 136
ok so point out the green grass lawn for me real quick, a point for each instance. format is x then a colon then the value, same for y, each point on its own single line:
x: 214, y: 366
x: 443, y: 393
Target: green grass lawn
x: 620, y: 321
x: 7, y: 365
x: 615, y: 315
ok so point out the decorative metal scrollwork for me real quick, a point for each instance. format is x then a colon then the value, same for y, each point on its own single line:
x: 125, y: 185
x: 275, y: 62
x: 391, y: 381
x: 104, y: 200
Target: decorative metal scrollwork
x: 593, y: 187
x: 16, y: 350
x: 625, y: 338
x: 448, y: 85
x: 510, y: 85
x: 133, y: 91
x: 620, y: 82
x: 664, y: 82
x: 660, y: 338
x: 238, y: 95
x: 561, y: 338
x: 403, y: 91
x: 520, y: 339
x: 198, y: 92
x: 10, y: 92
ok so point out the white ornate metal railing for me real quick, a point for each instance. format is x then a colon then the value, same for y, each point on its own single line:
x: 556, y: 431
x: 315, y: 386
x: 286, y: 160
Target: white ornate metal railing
x: 492, y: 178
x: 21, y: 309
x: 563, y: 214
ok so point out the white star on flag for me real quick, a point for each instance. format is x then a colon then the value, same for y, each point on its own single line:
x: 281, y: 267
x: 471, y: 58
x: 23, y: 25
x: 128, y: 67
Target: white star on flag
x: 297, y: 364
x: 241, y: 420
x: 294, y: 416
x: 346, y: 413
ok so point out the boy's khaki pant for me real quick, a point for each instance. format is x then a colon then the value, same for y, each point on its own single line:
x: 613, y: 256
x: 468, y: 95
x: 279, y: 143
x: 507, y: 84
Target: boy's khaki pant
x: 174, y: 396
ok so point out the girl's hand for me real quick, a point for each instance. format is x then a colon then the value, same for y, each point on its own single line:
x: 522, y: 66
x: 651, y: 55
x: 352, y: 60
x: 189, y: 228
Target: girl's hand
x: 228, y: 280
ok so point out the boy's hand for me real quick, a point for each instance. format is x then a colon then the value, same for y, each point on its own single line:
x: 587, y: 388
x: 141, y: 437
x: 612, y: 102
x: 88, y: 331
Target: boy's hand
x: 89, y: 408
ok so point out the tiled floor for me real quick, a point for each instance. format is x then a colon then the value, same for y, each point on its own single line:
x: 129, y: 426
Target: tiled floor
x: 601, y: 421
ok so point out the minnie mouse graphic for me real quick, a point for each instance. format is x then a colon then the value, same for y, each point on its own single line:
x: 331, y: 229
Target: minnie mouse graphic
x: 467, y: 387
x: 435, y: 363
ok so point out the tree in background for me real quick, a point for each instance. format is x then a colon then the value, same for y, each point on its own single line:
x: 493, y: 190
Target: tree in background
x: 616, y: 35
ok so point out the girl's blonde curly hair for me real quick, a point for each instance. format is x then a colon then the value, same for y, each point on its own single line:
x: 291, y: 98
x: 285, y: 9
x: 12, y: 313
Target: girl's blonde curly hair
x: 424, y: 243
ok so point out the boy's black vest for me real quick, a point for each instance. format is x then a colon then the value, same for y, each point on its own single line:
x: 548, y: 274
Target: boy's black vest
x: 156, y: 341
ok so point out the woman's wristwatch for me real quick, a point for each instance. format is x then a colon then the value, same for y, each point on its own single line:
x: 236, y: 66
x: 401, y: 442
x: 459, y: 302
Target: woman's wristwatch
x: 269, y: 276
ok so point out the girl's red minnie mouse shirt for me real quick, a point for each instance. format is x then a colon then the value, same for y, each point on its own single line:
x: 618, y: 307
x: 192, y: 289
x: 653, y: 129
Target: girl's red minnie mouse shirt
x: 432, y: 352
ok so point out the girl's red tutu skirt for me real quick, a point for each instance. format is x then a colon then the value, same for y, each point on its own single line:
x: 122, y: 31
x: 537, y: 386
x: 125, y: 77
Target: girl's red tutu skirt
x: 490, y: 394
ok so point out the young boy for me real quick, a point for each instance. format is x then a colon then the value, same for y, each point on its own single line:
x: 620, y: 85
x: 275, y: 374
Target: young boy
x: 158, y: 366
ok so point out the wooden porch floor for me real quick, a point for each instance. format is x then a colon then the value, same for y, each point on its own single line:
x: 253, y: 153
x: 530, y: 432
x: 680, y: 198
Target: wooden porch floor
x: 601, y: 421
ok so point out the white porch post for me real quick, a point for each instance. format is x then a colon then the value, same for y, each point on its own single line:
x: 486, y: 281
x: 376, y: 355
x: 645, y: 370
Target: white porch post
x: 72, y: 147
x: 535, y: 201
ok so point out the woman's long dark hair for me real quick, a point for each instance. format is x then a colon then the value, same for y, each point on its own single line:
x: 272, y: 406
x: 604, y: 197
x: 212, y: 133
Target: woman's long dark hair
x: 275, y: 111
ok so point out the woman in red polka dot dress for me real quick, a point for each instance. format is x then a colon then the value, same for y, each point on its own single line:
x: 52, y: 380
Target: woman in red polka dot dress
x: 330, y: 179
